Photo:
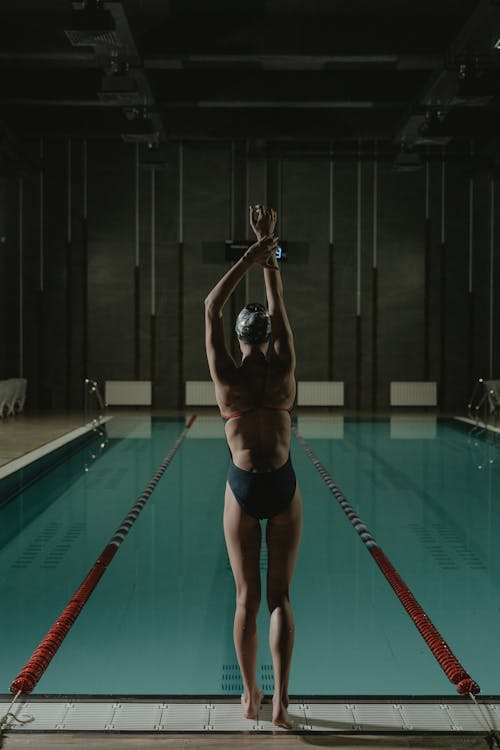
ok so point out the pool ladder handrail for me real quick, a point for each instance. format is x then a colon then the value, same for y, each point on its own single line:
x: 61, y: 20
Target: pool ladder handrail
x: 91, y: 388
x: 484, y: 397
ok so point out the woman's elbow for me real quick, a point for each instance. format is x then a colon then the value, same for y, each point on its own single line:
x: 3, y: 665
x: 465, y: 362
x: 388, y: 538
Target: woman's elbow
x: 211, y: 309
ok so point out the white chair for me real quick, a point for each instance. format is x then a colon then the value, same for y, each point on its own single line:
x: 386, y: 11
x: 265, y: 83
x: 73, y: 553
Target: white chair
x: 12, y: 396
x: 20, y: 396
x: 4, y: 396
x: 8, y: 397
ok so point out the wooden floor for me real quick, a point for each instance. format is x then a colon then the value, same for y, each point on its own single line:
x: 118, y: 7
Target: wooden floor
x: 51, y: 741
x: 26, y: 432
x: 31, y: 430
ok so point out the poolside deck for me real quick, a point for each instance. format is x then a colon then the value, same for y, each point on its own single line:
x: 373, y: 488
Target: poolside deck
x: 51, y: 741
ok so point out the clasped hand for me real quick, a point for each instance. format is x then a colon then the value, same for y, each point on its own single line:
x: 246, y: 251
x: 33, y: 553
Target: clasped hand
x: 262, y: 220
x: 263, y: 252
x: 263, y: 223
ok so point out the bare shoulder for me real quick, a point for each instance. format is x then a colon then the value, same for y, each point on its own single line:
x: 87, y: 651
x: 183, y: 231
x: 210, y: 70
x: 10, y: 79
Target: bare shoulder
x: 228, y: 385
x: 281, y: 364
x: 281, y: 386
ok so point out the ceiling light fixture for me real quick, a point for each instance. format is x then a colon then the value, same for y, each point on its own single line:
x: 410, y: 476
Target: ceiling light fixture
x: 92, y: 25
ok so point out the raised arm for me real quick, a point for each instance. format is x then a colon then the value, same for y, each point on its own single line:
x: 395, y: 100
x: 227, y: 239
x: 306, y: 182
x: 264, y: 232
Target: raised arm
x: 282, y: 331
x: 218, y: 355
x: 262, y: 221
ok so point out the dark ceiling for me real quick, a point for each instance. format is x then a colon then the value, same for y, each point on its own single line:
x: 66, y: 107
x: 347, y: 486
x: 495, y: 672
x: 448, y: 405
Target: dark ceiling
x: 293, y: 74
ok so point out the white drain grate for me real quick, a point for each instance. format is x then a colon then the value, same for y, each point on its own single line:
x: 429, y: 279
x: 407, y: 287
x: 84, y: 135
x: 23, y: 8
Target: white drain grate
x: 330, y: 717
x: 295, y: 711
x: 87, y: 717
x: 426, y: 718
x: 51, y: 716
x: 180, y: 717
x: 379, y: 718
x: 136, y: 717
x: 227, y: 717
x: 156, y: 716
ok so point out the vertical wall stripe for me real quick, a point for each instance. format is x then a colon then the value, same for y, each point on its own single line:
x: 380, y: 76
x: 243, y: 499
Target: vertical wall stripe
x: 427, y: 189
x: 427, y: 274
x: 359, y: 334
x: 470, y: 358
x: 40, y: 315
x: 232, y: 196
x: 69, y: 190
x: 330, y: 222
x: 442, y: 306
x: 41, y: 214
x: 137, y: 324
x: 153, y: 286
x: 358, y: 285
x: 375, y: 287
x: 443, y: 201
x: 281, y: 218
x: 85, y: 264
x: 247, y: 186
x: 136, y: 196
x: 374, y: 337
x: 85, y: 187
x: 471, y: 230
x: 180, y: 286
x: 180, y: 327
x: 21, y: 271
x: 375, y: 211
x: 235, y: 298
x: 153, y: 241
x: 266, y: 182
x: 358, y: 240
x: 137, y: 277
x: 331, y: 275
x: 492, y: 272
x: 152, y: 364
x: 181, y: 192
x: 69, y: 280
x: 248, y: 230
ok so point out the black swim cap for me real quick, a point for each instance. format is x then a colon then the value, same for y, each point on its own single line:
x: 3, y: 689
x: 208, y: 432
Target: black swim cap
x: 253, y: 324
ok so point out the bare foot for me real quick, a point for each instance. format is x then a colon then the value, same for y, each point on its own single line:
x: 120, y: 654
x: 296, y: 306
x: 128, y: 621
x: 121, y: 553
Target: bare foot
x: 251, y: 705
x: 281, y: 717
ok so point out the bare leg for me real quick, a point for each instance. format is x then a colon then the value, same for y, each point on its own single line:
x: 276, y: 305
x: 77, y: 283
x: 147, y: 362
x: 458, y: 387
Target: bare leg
x: 283, y: 536
x: 243, y: 538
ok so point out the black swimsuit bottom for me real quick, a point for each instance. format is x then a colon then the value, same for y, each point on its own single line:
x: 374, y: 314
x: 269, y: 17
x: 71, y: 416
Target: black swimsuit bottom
x: 263, y: 494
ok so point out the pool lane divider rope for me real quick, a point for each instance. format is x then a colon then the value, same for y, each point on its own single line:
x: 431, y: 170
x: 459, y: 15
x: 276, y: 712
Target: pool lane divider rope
x: 44, y: 653
x: 446, y: 659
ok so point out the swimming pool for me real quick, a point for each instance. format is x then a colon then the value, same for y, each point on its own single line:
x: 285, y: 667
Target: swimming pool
x: 160, y: 620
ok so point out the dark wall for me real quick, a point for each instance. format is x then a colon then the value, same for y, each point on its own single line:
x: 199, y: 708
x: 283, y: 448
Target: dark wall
x: 3, y: 261
x: 113, y: 282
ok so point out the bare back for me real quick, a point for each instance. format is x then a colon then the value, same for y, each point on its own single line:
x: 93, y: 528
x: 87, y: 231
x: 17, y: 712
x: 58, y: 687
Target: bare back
x: 257, y: 396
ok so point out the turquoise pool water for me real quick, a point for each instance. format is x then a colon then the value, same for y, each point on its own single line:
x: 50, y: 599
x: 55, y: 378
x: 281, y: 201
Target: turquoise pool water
x: 160, y: 620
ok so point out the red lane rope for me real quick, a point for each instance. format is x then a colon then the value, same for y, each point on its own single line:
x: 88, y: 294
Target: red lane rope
x: 44, y: 653
x: 441, y: 651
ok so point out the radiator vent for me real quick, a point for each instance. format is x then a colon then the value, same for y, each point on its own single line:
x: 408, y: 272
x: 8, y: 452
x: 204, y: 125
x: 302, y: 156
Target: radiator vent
x: 413, y: 393
x: 128, y: 392
x: 309, y: 393
x: 200, y: 393
x: 320, y: 393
